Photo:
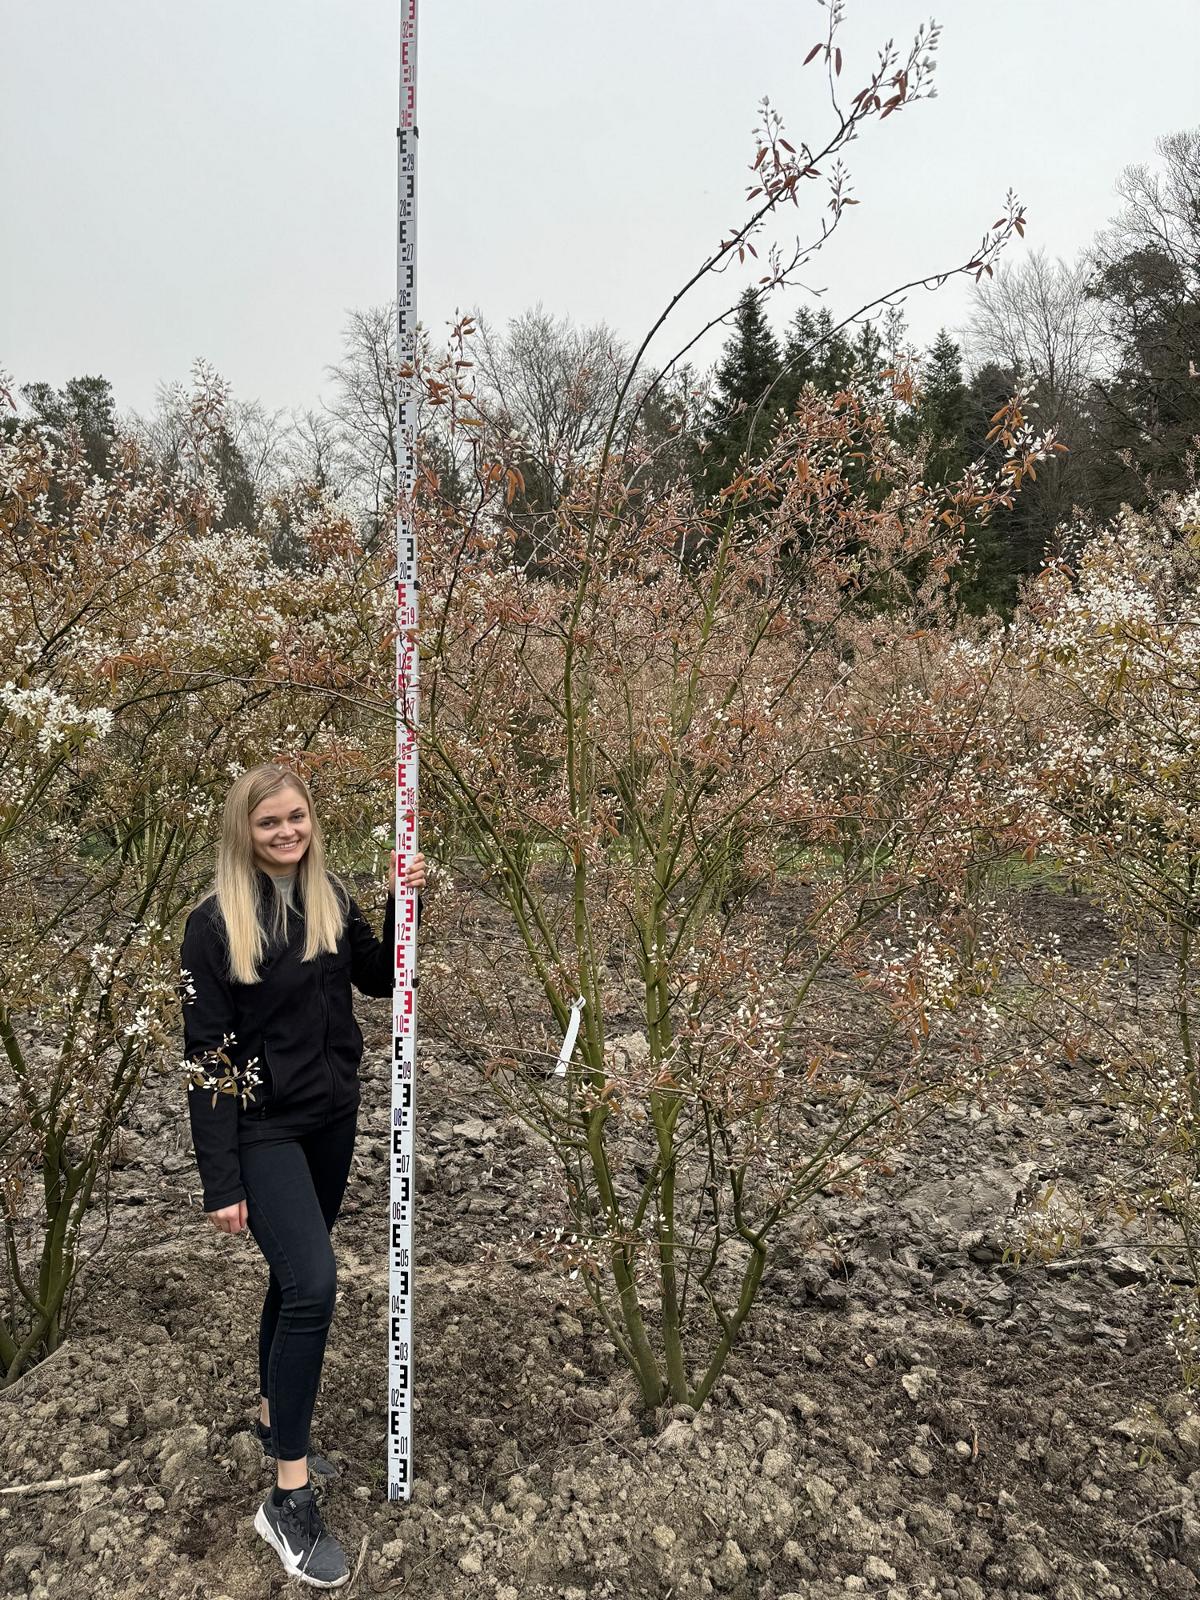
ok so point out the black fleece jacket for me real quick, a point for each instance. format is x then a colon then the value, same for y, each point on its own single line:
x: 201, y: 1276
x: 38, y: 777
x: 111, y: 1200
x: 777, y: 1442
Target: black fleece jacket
x: 280, y: 1055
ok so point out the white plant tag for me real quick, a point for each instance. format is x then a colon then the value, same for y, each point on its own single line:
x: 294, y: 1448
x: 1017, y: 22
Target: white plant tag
x: 572, y: 1033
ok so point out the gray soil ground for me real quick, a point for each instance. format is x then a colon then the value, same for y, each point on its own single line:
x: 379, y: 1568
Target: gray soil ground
x: 908, y: 1416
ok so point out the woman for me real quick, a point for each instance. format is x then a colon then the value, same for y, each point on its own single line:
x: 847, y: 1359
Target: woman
x: 273, y: 1050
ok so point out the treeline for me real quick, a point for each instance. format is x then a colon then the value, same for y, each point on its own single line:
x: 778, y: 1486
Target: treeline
x: 1107, y: 349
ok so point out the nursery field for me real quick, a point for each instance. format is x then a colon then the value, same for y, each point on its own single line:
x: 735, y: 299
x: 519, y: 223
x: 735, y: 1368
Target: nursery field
x: 804, y: 749
x: 909, y: 1413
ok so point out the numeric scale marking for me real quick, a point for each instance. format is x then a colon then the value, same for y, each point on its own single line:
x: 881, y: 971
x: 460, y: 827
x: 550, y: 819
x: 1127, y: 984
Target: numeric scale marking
x: 404, y: 1002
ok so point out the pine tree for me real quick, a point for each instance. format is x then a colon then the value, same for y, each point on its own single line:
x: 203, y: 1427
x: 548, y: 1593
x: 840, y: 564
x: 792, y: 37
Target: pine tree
x: 1010, y: 544
x: 818, y: 353
x: 869, y: 356
x: 734, y: 426
x: 801, y: 354
x: 237, y: 485
x: 943, y: 410
x: 836, y: 358
x: 83, y: 404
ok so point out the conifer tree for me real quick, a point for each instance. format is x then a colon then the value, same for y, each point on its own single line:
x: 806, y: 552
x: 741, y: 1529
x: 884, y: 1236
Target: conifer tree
x: 815, y: 352
x: 1009, y: 545
x: 943, y: 409
x: 748, y: 367
x: 84, y: 404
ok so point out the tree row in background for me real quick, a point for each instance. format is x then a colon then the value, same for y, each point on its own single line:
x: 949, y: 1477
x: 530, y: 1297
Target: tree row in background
x: 1106, y: 349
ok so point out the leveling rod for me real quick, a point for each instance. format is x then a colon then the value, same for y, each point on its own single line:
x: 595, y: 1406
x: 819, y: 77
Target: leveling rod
x: 401, y: 1188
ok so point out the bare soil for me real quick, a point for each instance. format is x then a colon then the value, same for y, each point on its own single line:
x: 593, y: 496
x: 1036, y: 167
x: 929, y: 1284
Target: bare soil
x: 908, y: 1416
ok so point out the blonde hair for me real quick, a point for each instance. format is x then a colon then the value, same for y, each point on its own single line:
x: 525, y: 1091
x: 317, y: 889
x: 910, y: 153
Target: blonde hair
x: 325, y: 899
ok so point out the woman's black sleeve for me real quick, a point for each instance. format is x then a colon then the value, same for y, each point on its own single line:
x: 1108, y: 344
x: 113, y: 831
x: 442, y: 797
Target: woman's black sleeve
x: 210, y: 1048
x: 373, y: 961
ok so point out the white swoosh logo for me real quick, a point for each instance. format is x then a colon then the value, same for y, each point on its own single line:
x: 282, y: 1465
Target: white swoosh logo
x: 292, y: 1555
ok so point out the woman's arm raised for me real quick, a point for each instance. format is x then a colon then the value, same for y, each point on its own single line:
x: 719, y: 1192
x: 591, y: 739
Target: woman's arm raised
x: 373, y: 960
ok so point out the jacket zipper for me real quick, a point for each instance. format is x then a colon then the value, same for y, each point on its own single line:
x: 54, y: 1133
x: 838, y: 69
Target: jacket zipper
x: 328, y: 1063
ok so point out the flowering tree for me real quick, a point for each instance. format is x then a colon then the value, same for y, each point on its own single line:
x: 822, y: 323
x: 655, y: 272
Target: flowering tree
x: 147, y: 659
x: 691, y: 706
x: 640, y: 753
x: 1108, y: 649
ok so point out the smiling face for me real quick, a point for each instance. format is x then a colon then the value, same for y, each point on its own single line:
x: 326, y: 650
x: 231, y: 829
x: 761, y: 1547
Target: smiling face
x: 280, y: 830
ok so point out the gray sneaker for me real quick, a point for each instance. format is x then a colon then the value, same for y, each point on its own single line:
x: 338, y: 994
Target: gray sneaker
x: 296, y: 1531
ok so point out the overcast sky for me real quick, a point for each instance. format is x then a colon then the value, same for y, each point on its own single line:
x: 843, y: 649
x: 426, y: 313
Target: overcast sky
x: 217, y: 178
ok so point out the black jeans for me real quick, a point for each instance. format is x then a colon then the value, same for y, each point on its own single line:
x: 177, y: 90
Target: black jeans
x: 294, y: 1187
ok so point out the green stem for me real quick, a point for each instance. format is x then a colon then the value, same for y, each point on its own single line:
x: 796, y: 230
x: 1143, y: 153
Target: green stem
x: 621, y: 1264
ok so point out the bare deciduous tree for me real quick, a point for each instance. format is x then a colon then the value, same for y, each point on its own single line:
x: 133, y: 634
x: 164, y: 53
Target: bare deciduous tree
x: 1161, y: 208
x: 364, y: 405
x: 552, y: 386
x: 1038, y: 324
x: 1146, y: 280
x: 1036, y: 319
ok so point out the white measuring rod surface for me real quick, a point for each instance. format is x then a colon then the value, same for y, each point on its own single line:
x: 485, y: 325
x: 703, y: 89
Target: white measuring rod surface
x: 401, y: 1188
